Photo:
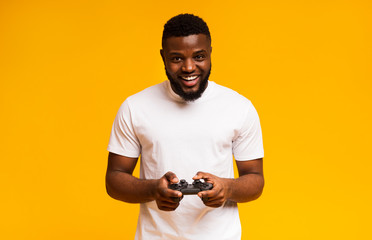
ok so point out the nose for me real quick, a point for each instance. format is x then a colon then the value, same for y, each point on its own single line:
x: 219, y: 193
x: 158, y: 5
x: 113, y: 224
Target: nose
x: 188, y: 65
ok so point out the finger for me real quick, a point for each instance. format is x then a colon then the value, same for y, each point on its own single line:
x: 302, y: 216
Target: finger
x: 214, y: 203
x: 203, y: 196
x: 167, y: 203
x: 209, y: 193
x: 172, y: 193
x: 166, y: 194
x: 200, y: 175
x: 211, y: 200
x: 177, y: 199
x: 171, y: 177
x: 166, y: 206
x: 217, y: 205
x: 169, y: 200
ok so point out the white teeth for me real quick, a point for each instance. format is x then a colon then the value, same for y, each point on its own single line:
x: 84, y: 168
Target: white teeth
x: 190, y: 78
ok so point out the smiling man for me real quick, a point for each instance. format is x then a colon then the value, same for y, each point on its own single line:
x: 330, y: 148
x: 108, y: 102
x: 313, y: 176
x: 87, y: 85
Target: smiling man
x: 188, y: 127
x: 187, y: 61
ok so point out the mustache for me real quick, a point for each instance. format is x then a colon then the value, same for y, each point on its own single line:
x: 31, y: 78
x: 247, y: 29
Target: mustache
x: 191, y: 96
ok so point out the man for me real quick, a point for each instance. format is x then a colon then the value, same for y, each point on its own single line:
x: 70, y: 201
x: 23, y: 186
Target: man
x: 189, y: 128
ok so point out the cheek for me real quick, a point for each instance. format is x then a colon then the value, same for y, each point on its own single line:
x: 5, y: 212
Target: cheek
x: 205, y: 66
x: 172, y: 68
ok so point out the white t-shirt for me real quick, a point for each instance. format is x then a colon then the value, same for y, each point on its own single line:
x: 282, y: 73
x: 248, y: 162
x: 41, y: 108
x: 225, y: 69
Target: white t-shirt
x: 186, y: 137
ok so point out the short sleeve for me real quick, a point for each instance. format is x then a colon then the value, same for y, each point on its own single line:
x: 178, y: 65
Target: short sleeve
x: 123, y: 140
x: 248, y: 144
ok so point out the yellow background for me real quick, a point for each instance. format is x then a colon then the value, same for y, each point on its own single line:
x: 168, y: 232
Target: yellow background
x: 66, y: 66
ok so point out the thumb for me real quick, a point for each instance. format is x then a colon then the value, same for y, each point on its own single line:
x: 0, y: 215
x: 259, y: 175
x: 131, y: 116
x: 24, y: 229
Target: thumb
x: 171, y: 177
x: 199, y: 175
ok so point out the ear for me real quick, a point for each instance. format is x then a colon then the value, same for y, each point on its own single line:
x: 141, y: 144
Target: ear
x: 162, y: 55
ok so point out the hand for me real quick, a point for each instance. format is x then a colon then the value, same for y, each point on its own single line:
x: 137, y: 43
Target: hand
x: 217, y: 196
x: 165, y: 197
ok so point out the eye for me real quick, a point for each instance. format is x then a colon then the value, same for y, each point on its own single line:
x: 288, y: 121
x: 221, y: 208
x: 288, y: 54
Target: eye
x: 176, y: 59
x: 199, y: 57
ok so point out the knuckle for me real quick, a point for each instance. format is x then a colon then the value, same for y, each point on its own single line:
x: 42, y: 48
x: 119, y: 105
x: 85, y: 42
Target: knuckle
x: 169, y: 173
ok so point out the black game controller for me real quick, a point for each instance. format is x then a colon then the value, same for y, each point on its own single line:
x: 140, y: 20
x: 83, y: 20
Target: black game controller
x: 190, y: 189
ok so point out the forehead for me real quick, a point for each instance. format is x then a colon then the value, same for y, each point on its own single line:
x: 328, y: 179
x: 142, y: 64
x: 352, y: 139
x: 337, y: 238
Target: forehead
x: 192, y: 42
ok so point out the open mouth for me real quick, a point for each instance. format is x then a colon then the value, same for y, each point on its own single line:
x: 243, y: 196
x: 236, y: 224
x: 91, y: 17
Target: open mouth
x: 189, y: 78
x: 190, y: 81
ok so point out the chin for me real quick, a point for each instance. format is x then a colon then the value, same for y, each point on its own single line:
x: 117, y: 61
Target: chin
x: 190, y: 95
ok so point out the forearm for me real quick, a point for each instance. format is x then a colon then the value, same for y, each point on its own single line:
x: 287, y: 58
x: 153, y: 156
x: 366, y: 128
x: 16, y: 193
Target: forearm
x: 125, y: 187
x: 245, y: 188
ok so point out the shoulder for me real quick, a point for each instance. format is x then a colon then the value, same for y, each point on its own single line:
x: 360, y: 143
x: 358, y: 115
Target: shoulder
x: 154, y: 91
x: 143, y: 98
x: 232, y: 103
x: 148, y: 96
x: 230, y: 96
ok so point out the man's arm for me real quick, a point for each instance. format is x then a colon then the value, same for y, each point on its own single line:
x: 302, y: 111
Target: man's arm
x: 122, y: 185
x: 247, y: 187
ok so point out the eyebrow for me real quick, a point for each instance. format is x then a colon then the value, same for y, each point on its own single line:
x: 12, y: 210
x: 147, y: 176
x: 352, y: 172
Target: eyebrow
x: 175, y: 53
x: 200, y: 51
x: 197, y: 52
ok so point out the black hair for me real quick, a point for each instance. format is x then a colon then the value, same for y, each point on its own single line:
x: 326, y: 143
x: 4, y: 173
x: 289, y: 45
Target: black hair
x: 184, y: 25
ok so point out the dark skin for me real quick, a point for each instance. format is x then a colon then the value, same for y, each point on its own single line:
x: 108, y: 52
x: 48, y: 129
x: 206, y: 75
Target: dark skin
x: 122, y: 185
x: 187, y: 61
x: 187, y: 57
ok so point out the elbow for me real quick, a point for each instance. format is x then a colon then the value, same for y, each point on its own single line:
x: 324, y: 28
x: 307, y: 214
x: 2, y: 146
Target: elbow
x: 109, y: 190
x: 114, y: 194
x: 257, y: 195
x: 260, y: 189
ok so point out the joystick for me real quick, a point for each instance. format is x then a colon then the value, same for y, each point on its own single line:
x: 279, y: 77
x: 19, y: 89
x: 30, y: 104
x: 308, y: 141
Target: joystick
x: 190, y: 189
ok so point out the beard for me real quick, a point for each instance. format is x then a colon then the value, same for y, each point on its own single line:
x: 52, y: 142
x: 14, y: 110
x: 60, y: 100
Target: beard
x: 188, y: 96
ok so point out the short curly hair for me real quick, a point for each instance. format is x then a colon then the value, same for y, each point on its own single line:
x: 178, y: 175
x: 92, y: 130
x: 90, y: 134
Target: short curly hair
x: 184, y: 25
